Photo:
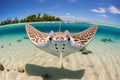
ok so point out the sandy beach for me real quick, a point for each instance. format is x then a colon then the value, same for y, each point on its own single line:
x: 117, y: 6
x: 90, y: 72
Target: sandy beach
x: 30, y: 63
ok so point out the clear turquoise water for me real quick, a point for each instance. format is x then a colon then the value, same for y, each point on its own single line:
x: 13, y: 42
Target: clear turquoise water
x: 105, y: 55
x: 16, y: 31
x: 11, y: 34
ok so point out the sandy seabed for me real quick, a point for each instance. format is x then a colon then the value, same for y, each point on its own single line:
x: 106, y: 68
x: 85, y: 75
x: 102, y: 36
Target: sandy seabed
x: 23, y: 61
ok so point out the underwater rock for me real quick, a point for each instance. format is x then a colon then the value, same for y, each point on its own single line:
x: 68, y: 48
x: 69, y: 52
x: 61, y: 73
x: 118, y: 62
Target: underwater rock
x: 107, y: 40
x: 20, y: 69
x: 103, y: 40
x: 1, y: 67
x: 19, y: 40
x: 85, y: 51
x: 2, y: 46
x: 25, y: 38
x: 8, y: 70
x: 89, y: 51
x: 9, y: 44
x: 82, y: 49
x: 46, y: 76
x: 91, y: 65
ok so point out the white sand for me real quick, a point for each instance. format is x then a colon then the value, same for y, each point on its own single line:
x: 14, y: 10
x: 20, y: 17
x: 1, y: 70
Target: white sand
x: 102, y: 64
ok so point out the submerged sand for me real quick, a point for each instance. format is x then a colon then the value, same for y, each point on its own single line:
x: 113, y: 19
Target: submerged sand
x: 23, y: 61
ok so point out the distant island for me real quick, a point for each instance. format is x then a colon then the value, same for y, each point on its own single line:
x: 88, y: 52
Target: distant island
x: 31, y: 18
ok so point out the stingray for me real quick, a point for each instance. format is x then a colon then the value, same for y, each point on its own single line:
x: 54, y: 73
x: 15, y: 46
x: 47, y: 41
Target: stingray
x: 60, y: 44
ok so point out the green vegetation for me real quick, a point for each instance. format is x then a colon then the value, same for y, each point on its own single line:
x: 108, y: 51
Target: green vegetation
x: 31, y: 18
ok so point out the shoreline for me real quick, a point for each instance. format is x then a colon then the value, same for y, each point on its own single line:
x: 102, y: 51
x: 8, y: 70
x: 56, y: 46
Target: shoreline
x: 105, y: 24
x: 29, y: 23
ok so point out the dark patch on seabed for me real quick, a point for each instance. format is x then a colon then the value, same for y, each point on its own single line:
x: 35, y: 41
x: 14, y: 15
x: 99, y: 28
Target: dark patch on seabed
x: 25, y: 37
x: 53, y: 73
x: 2, y: 46
x: 85, y: 51
x: 9, y: 44
x: 105, y: 40
x: 19, y: 40
x: 1, y: 67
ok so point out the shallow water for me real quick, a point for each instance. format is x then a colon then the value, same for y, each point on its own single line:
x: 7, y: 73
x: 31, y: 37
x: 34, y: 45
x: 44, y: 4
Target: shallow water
x: 12, y: 33
x: 16, y: 49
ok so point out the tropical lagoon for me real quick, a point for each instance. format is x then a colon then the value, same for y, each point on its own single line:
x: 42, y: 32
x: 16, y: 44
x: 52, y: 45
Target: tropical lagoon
x: 21, y: 60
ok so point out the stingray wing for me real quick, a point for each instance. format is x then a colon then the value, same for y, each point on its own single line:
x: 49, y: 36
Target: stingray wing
x: 75, y: 42
x: 41, y: 40
x: 38, y: 38
x: 83, y: 38
x: 80, y: 40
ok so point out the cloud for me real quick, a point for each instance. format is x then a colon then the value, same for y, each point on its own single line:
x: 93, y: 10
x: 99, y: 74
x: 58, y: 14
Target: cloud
x: 56, y: 6
x: 68, y: 14
x: 72, y: 18
x: 103, y: 15
x: 114, y: 10
x: 69, y: 17
x: 73, y: 0
x: 99, y: 10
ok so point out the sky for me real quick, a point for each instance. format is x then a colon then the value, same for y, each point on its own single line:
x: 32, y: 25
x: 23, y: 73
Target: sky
x: 104, y: 11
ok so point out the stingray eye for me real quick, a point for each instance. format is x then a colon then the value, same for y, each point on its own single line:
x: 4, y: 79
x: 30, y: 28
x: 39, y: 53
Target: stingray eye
x: 50, y: 39
x: 68, y: 38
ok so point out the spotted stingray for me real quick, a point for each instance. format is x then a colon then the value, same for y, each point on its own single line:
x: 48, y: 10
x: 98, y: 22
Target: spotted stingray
x: 60, y: 44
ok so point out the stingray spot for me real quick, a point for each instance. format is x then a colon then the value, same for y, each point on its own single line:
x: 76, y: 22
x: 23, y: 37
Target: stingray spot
x: 63, y: 44
x: 55, y: 44
x: 63, y: 48
x: 56, y: 47
x: 50, y: 39
x: 68, y: 39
